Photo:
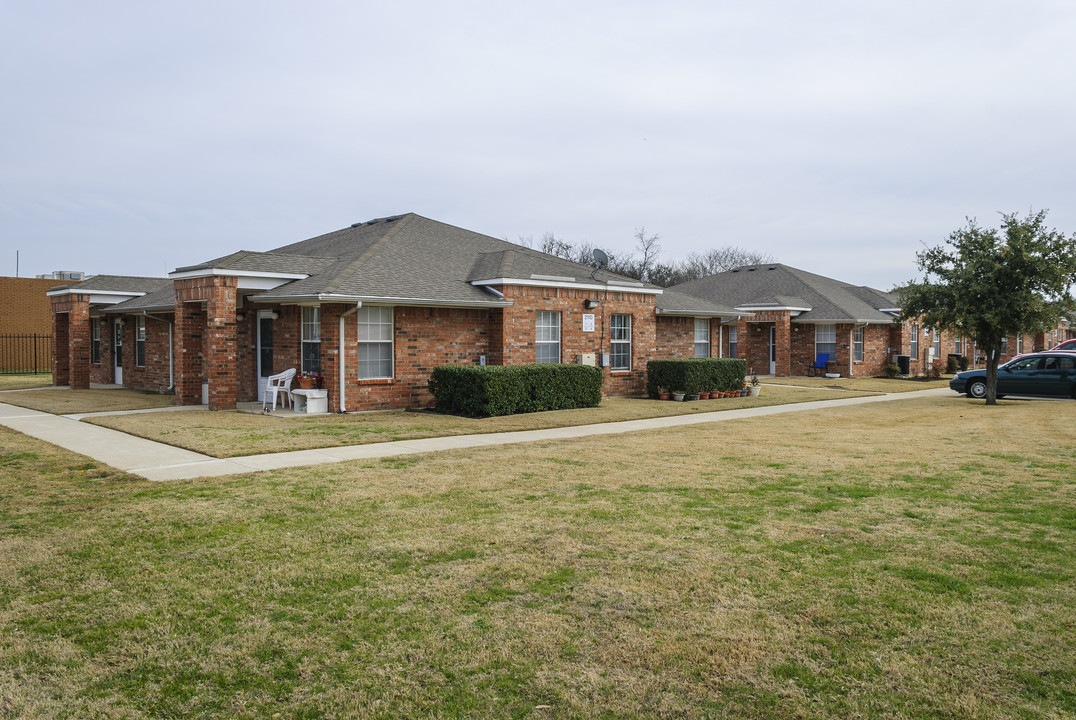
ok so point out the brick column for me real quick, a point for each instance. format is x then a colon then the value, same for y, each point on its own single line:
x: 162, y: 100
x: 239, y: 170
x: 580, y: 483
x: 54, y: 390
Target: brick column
x: 220, y: 350
x: 783, y: 340
x: 187, y: 346
x: 78, y: 342
x: 61, y: 358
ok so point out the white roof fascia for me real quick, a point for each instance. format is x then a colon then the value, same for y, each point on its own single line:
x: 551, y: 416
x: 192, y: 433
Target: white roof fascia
x: 248, y: 279
x: 842, y: 321
x: 574, y: 285
x: 764, y: 308
x: 98, y: 297
x: 699, y: 313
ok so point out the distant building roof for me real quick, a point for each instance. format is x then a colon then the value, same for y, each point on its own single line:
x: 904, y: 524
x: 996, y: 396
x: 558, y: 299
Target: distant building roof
x: 815, y: 298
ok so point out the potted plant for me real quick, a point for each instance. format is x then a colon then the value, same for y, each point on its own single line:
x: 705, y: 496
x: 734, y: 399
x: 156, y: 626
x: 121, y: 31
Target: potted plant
x: 755, y: 387
x: 308, y: 380
x: 678, y: 395
x: 663, y: 393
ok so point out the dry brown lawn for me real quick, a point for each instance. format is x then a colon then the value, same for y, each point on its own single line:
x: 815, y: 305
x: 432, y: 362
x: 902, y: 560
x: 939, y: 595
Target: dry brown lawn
x: 67, y: 402
x: 232, y: 434
x: 904, y: 560
x: 21, y: 382
x: 884, y: 385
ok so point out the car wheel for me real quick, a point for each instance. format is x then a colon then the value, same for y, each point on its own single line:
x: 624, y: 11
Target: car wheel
x: 977, y: 389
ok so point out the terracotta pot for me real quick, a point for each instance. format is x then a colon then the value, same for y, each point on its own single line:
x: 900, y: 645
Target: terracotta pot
x: 306, y: 383
x: 664, y: 396
x: 704, y: 396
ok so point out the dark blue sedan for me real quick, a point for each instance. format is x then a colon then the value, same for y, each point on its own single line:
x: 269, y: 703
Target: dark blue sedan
x: 1051, y: 374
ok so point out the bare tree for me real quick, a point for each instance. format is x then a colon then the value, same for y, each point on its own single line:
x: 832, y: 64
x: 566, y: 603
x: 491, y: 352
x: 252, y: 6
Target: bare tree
x: 642, y: 263
x: 648, y: 247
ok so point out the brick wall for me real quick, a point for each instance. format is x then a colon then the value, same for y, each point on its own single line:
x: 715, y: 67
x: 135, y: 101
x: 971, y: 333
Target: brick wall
x: 24, y: 307
x: 153, y: 375
x: 676, y: 338
x: 518, y: 329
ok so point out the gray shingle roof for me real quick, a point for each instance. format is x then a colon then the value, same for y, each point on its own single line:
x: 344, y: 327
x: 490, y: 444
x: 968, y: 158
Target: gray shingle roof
x: 411, y: 258
x: 264, y: 262
x: 775, y: 284
x: 163, y: 298
x: 671, y: 302
x: 117, y: 283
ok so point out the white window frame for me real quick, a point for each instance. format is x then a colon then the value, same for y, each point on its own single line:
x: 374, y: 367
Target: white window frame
x: 937, y: 343
x: 857, y: 343
x: 140, y: 341
x: 734, y: 343
x: 95, y: 341
x: 1020, y: 344
x: 1005, y: 345
x: 547, y: 336
x: 310, y: 334
x: 913, y: 344
x: 825, y: 340
x: 958, y: 345
x: 378, y: 321
x: 702, y: 337
x: 619, y: 342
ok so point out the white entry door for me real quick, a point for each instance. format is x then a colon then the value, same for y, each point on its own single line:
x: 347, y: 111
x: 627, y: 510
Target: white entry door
x: 117, y: 351
x: 773, y: 350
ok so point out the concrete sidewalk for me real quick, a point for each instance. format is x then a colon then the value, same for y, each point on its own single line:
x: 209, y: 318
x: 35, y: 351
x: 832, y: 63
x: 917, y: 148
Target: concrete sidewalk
x: 156, y: 461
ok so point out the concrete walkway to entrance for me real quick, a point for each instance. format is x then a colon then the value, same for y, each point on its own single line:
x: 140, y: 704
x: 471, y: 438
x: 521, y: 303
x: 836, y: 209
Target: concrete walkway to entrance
x: 156, y: 461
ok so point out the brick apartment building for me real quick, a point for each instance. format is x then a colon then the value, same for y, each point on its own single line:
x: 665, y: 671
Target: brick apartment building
x: 790, y: 317
x: 373, y: 308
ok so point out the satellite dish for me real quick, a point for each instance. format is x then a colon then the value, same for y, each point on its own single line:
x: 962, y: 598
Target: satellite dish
x: 600, y: 258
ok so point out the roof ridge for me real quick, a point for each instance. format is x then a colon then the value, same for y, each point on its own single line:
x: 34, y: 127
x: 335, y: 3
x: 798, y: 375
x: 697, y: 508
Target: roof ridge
x: 338, y: 280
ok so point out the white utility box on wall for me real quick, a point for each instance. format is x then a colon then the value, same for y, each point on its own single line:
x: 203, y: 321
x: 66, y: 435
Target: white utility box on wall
x: 588, y: 359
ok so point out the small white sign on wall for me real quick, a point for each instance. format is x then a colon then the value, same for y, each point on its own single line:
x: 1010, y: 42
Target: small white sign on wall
x: 588, y: 322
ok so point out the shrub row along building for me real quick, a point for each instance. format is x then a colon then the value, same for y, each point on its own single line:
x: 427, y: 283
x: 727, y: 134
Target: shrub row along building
x: 373, y: 308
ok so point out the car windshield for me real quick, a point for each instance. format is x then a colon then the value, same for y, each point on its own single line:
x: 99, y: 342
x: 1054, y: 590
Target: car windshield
x: 1029, y: 363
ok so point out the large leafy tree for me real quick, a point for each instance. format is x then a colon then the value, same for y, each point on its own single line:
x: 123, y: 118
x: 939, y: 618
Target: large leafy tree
x: 989, y: 283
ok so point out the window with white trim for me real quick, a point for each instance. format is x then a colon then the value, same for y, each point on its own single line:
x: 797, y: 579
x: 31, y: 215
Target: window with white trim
x: 620, y: 342
x: 311, y: 339
x: 857, y: 343
x: 702, y: 337
x: 732, y: 341
x: 913, y: 345
x: 825, y: 340
x: 140, y: 341
x: 95, y: 341
x: 375, y: 342
x: 1005, y: 345
x: 546, y: 336
x: 1020, y: 344
x: 958, y: 345
x: 937, y: 343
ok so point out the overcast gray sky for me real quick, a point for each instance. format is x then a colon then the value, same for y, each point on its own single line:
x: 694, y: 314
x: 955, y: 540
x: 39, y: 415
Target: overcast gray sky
x: 136, y: 137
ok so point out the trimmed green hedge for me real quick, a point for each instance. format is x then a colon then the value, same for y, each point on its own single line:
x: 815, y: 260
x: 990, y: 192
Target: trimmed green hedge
x: 695, y: 375
x: 489, y: 390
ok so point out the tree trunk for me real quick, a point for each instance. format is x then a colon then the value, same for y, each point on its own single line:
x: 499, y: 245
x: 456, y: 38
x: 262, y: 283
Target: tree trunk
x: 993, y: 354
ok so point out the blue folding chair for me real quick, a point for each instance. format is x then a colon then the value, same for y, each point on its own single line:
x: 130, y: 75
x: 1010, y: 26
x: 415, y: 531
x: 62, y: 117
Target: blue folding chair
x: 819, y: 367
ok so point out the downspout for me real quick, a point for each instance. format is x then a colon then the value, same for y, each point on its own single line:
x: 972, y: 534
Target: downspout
x: 343, y: 365
x: 171, y: 351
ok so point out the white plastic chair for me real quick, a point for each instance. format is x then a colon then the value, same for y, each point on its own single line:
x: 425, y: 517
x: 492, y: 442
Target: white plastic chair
x: 276, y: 385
